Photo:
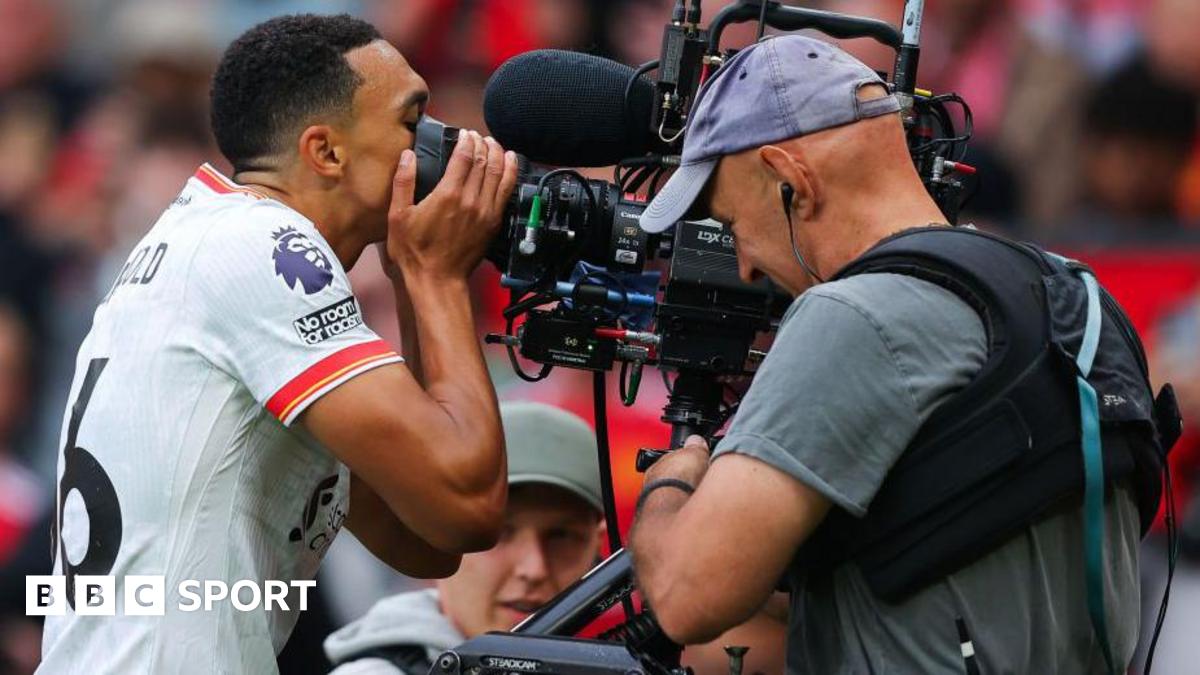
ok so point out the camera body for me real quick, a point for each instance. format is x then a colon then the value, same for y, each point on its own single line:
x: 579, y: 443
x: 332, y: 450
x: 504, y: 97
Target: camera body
x: 705, y: 320
x: 708, y: 316
x: 580, y: 220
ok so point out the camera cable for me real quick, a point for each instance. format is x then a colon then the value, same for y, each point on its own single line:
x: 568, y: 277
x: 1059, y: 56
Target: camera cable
x: 600, y: 414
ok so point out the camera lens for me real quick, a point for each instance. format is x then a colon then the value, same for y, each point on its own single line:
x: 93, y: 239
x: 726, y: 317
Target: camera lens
x: 434, y: 144
x: 589, y: 222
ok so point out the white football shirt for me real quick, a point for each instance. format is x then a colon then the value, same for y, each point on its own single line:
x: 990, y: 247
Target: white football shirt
x: 230, y: 317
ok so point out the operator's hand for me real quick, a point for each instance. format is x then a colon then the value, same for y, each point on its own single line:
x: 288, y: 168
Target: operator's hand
x: 688, y: 463
x: 447, y: 234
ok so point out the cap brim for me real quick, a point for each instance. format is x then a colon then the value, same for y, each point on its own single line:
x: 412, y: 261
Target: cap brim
x: 677, y: 196
x: 558, y: 481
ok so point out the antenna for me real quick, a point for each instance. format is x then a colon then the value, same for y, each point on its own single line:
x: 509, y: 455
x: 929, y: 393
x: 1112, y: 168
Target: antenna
x: 909, y: 54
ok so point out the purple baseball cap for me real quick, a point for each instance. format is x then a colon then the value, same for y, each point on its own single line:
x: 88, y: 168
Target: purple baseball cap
x: 776, y: 89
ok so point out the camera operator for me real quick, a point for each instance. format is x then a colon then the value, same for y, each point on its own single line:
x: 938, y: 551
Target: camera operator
x: 230, y: 410
x: 799, y: 149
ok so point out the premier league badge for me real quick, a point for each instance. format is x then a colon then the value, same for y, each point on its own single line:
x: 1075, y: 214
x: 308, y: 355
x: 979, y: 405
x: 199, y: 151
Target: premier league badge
x: 297, y: 258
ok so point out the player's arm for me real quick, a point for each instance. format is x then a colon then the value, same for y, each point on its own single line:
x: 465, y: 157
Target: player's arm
x: 434, y: 454
x: 699, y: 565
x: 410, y: 345
x: 372, y: 522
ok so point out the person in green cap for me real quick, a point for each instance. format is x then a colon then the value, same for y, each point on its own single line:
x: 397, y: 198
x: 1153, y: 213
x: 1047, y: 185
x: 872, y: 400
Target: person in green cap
x: 552, y: 534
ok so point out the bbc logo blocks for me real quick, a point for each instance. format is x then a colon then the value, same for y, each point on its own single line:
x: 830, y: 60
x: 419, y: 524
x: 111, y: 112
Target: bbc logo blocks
x: 95, y: 596
x: 147, y: 595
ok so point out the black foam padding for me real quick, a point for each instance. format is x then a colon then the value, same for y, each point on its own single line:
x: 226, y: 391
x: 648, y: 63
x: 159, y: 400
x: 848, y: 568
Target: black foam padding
x: 567, y: 109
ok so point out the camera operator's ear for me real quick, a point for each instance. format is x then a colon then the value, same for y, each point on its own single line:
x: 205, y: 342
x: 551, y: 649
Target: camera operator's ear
x: 803, y: 191
x: 320, y: 150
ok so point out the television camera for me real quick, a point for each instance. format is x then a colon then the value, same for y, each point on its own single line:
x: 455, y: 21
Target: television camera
x: 583, y: 286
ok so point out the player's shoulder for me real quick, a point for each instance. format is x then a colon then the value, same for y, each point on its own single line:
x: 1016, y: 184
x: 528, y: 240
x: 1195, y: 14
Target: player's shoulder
x: 223, y: 210
x: 226, y: 219
x: 244, y: 239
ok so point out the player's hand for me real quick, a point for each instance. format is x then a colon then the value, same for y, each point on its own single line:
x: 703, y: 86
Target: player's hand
x: 390, y: 268
x: 447, y: 234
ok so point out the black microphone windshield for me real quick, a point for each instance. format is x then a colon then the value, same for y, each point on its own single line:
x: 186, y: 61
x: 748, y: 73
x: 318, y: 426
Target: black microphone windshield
x: 567, y: 109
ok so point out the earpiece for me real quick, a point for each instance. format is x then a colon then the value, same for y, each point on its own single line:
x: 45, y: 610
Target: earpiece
x: 786, y: 193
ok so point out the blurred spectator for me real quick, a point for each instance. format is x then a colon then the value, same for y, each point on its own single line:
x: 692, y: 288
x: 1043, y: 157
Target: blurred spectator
x: 1175, y: 357
x: 38, y: 100
x: 25, y: 503
x: 971, y: 48
x: 1171, y: 37
x: 1175, y: 52
x: 1177, y: 360
x: 1139, y: 131
x: 29, y: 37
x: 442, y: 37
x: 106, y: 179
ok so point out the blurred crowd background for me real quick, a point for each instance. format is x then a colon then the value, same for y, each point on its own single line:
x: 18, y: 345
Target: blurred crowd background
x: 1086, y: 139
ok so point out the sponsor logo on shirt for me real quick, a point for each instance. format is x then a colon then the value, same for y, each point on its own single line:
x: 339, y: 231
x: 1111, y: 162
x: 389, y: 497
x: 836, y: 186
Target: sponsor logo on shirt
x: 298, y: 259
x: 317, y: 536
x: 327, y: 322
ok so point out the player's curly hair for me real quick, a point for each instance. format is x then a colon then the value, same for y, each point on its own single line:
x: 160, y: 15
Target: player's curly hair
x: 280, y: 74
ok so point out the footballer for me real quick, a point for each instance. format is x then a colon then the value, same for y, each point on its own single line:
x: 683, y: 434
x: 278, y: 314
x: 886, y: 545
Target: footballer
x: 230, y: 412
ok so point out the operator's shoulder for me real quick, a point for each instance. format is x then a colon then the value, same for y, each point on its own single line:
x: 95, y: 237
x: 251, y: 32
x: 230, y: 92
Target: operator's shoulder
x: 891, y: 300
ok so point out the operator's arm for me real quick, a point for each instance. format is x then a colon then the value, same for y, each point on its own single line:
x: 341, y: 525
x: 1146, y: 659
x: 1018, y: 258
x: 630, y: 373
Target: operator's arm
x: 701, y: 567
x: 856, y: 368
x: 433, y: 455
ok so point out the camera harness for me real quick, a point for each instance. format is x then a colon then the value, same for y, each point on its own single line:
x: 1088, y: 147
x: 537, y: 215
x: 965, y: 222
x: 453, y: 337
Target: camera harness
x: 997, y: 457
x: 900, y: 554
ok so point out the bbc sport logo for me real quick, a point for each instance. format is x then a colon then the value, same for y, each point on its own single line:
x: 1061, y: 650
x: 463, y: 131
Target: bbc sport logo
x: 147, y: 595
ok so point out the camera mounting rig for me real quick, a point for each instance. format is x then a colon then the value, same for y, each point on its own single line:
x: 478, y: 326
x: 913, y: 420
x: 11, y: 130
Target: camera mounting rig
x: 701, y: 326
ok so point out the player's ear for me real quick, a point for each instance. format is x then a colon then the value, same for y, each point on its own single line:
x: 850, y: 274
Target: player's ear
x: 784, y: 166
x: 320, y: 150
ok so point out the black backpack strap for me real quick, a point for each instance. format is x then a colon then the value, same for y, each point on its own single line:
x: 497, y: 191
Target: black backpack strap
x: 409, y: 658
x: 1012, y: 429
x: 1168, y: 418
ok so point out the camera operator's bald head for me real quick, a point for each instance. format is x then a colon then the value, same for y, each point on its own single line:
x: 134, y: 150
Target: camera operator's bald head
x: 852, y: 186
x: 796, y: 117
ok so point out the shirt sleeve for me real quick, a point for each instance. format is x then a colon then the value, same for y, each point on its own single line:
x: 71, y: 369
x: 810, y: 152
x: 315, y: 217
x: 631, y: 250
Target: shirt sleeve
x: 277, y: 312
x: 851, y: 378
